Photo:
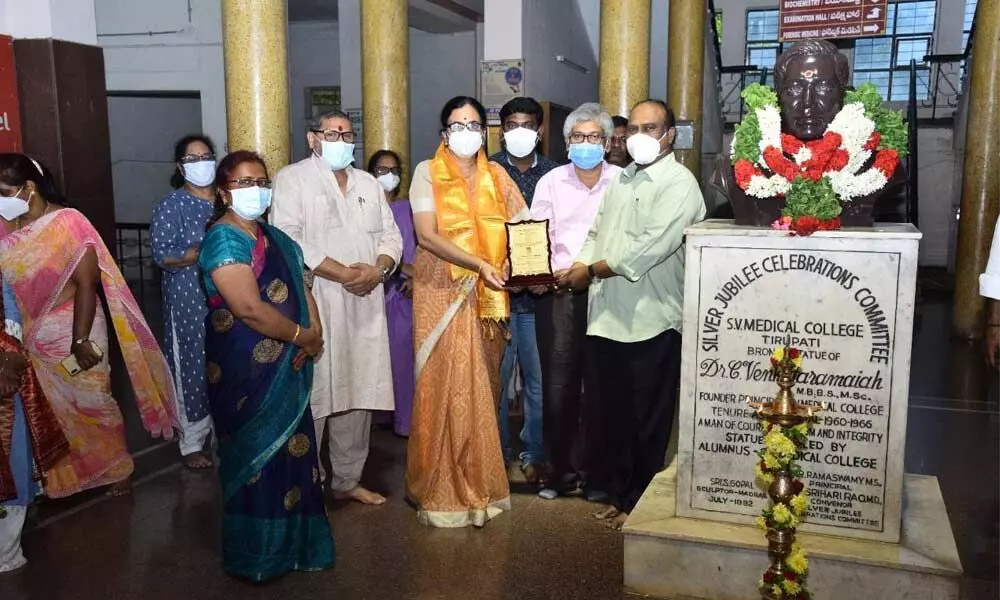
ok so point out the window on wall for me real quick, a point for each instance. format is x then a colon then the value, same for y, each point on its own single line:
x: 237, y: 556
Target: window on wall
x: 909, y: 36
x: 970, y: 15
x: 763, y: 46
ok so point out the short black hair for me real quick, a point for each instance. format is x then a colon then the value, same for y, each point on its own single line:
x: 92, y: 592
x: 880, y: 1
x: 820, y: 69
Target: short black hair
x: 671, y: 119
x: 381, y: 153
x: 16, y: 170
x: 619, y: 121
x: 526, y: 106
x: 458, y: 102
x: 180, y: 149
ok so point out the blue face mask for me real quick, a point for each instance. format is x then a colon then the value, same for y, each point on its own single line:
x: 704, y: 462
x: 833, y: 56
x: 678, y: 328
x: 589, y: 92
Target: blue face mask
x: 586, y: 156
x: 338, y: 154
x: 250, y: 203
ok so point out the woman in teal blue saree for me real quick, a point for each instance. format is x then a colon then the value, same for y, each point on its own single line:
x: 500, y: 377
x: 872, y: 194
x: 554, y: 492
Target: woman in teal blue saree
x: 261, y: 336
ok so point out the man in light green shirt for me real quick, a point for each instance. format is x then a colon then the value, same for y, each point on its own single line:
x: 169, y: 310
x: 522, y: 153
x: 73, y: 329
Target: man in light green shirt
x: 633, y: 262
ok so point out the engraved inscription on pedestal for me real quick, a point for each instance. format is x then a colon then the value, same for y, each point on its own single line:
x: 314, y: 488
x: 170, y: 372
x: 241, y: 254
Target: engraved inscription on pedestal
x: 847, y: 304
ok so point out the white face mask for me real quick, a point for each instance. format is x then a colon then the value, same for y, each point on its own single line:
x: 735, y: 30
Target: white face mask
x: 389, y: 181
x: 339, y: 155
x: 250, y: 203
x: 465, y: 143
x: 520, y: 142
x: 12, y: 207
x: 201, y: 173
x: 643, y: 148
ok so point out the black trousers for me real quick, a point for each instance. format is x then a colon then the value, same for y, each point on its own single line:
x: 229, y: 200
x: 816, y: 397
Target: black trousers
x: 638, y: 383
x: 572, y: 425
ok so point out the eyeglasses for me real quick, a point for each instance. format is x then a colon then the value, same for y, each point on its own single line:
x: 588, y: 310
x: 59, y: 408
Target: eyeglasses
x: 512, y: 125
x: 379, y: 171
x: 332, y: 135
x: 618, y: 140
x: 473, y: 126
x: 193, y: 158
x: 648, y: 128
x: 245, y: 182
x: 594, y: 137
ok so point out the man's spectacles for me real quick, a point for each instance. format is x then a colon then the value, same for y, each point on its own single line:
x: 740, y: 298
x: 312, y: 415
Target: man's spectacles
x: 652, y: 129
x: 246, y: 182
x: 512, y: 125
x: 332, y: 135
x: 594, y: 137
x: 618, y: 140
x: 473, y: 126
x: 193, y: 158
x: 380, y: 171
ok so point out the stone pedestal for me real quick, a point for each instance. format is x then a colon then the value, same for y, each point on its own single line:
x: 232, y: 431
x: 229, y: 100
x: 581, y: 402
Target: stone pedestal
x: 667, y: 556
x: 845, y: 298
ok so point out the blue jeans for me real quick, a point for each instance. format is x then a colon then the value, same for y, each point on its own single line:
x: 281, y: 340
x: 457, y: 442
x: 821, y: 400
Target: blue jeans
x: 524, y: 346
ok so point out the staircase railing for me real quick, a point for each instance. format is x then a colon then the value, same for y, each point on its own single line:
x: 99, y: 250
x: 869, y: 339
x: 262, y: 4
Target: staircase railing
x: 912, y: 187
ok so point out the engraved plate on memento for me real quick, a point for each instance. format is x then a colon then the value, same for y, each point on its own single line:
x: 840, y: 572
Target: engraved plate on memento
x: 530, y: 252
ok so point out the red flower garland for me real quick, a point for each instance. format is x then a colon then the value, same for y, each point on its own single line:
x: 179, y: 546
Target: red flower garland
x: 743, y: 171
x: 873, y: 141
x: 886, y: 161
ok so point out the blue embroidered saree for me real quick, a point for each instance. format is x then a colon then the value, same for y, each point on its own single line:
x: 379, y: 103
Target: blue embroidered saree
x: 274, y: 518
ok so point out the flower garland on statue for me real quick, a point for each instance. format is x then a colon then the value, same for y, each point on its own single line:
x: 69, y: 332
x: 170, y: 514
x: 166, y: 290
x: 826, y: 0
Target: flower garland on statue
x: 815, y: 177
x: 781, y: 447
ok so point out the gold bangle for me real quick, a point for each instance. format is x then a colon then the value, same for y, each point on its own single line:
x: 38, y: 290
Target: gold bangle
x: 298, y: 330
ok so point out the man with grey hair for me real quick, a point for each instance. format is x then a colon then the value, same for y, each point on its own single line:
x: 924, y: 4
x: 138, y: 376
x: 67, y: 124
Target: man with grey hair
x: 569, y: 198
x: 351, y: 244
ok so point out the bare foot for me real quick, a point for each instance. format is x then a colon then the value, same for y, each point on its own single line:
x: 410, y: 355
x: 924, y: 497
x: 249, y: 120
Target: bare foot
x: 122, y: 488
x: 362, y: 495
x: 618, y: 521
x: 197, y: 461
x: 607, y: 513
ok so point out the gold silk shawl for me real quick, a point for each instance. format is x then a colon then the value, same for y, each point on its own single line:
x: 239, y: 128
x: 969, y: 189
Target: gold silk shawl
x: 474, y: 224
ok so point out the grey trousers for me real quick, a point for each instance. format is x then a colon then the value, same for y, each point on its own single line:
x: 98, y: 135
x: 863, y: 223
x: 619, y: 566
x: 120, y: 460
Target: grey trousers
x: 347, y: 438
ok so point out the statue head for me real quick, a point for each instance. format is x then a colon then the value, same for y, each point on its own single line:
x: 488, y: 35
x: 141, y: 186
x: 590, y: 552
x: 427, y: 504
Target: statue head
x: 810, y: 79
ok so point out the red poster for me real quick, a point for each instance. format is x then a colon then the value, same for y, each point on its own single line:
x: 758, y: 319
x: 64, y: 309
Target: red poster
x: 827, y: 19
x: 10, y: 116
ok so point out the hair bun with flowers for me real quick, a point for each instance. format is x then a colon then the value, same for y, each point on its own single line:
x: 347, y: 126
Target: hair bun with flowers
x: 815, y: 177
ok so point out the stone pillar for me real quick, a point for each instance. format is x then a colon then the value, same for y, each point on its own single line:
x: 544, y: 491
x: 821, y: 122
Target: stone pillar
x: 254, y: 38
x: 980, y: 179
x: 385, y: 80
x: 624, y: 56
x: 685, y: 71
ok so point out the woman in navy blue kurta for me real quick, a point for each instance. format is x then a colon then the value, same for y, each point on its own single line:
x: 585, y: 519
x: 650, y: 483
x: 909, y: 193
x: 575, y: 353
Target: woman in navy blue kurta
x: 177, y: 228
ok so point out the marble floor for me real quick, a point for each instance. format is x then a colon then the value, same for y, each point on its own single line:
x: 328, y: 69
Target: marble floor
x: 163, y: 541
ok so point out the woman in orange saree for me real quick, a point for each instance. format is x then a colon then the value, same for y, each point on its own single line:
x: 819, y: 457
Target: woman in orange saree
x: 454, y: 468
x: 54, y: 259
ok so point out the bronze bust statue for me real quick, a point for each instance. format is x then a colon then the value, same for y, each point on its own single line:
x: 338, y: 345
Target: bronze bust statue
x: 810, y: 80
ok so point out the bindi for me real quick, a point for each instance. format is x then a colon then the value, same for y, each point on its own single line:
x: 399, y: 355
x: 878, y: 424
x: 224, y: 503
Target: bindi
x: 808, y: 74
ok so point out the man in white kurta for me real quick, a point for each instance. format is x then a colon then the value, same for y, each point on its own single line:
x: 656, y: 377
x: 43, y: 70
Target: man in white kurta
x: 351, y: 243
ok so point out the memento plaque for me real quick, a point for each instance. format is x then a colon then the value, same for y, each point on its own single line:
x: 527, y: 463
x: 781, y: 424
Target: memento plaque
x: 530, y: 252
x: 846, y: 300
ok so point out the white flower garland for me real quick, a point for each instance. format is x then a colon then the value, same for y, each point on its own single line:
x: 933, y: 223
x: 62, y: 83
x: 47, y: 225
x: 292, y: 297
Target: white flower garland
x: 854, y: 129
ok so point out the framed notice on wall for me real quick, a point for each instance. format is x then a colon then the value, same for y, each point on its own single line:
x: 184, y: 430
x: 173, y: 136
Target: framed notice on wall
x: 321, y: 99
x: 500, y: 80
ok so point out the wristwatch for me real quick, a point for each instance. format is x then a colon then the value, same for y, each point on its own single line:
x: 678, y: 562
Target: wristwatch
x: 385, y: 273
x: 591, y: 272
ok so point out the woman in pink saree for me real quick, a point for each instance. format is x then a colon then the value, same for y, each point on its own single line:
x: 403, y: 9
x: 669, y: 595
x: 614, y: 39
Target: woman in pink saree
x: 54, y: 259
